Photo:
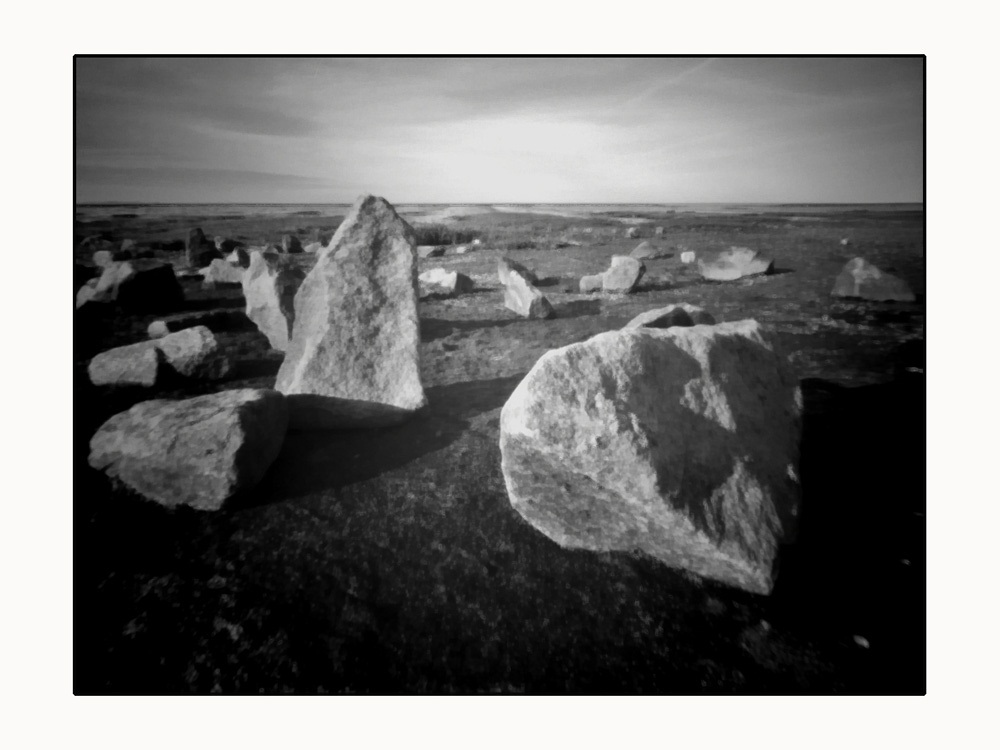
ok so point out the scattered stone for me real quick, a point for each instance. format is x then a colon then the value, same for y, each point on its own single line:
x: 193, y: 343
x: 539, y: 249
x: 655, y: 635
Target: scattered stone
x: 681, y: 314
x: 88, y: 293
x: 313, y: 247
x: 863, y: 280
x: 198, y: 251
x: 103, y: 258
x: 862, y: 641
x: 239, y: 257
x: 222, y: 272
x: 191, y: 353
x: 735, y: 263
x: 624, y: 274
x: 845, y: 242
x: 524, y: 299
x: 477, y: 242
x: 128, y: 245
x: 440, y: 282
x: 354, y: 356
x: 658, y: 231
x: 645, y: 250
x: 97, y: 242
x: 680, y: 443
x: 430, y: 251
x: 290, y: 244
x: 133, y: 365
x: 269, y: 287
x: 460, y: 250
x: 216, y: 321
x: 506, y: 265
x: 688, y: 256
x: 138, y: 286
x: 199, y: 451
x: 592, y: 283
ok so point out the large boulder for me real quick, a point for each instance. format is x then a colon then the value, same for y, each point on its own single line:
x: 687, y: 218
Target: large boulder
x: 524, y: 299
x: 269, y: 287
x: 192, y: 353
x: 138, y: 286
x: 624, y: 274
x: 199, y: 452
x: 506, y: 265
x: 646, y: 250
x: 439, y: 282
x: 221, y: 272
x: 354, y: 356
x: 862, y: 280
x: 734, y: 263
x: 680, y: 443
x: 680, y: 314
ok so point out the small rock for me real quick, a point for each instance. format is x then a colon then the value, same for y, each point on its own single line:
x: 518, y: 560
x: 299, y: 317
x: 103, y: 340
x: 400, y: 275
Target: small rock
x: 506, y: 265
x: 221, y: 272
x: 438, y: 281
x: 593, y: 283
x: 290, y: 244
x: 687, y: 256
x: 313, y: 247
x: 862, y: 641
x: 734, y: 263
x: 524, y: 299
x: 134, y: 365
x: 631, y: 233
x: 624, y: 274
x: 647, y: 251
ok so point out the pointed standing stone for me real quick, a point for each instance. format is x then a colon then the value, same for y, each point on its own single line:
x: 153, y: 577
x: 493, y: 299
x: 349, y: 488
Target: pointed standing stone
x: 354, y: 360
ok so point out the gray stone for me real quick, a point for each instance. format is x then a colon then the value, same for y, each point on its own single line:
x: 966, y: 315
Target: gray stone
x: 192, y: 353
x: 313, y: 247
x: 524, y: 299
x: 439, y: 282
x: 506, y: 265
x: 592, y: 283
x: 199, y: 451
x: 658, y: 231
x: 128, y: 245
x: 199, y: 251
x: 646, y: 250
x: 269, y: 287
x: 681, y: 443
x: 137, y: 286
x: 688, y: 256
x: 354, y: 355
x: 214, y: 320
x: 103, y: 258
x: 862, y: 280
x: 631, y: 233
x: 624, y: 274
x: 133, y: 365
x: 681, y: 314
x: 222, y: 272
x: 734, y: 263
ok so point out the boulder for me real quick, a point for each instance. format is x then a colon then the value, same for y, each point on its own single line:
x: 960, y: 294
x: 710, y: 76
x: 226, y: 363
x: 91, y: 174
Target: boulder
x: 269, y: 287
x: 681, y: 314
x: 658, y: 231
x: 631, y: 233
x: 199, y: 451
x: 222, y: 272
x: 354, y: 355
x: 438, y: 281
x: 592, y: 283
x: 192, y: 353
x: 645, y: 250
x: 862, y: 280
x: 687, y: 256
x: 430, y: 251
x: 134, y: 365
x: 239, y: 257
x: 128, y: 245
x: 734, y: 263
x: 624, y: 274
x: 198, y: 250
x: 137, y: 286
x: 506, y: 265
x: 216, y: 321
x: 225, y: 245
x: 681, y: 443
x: 524, y: 299
x: 103, y: 258
x: 313, y: 247
x: 290, y: 244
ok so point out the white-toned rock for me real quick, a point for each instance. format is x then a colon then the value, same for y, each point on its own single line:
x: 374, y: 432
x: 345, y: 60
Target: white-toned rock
x: 199, y: 451
x: 682, y: 443
x: 222, y: 272
x: 134, y: 365
x: 864, y: 280
x: 214, y: 320
x: 680, y: 314
x: 137, y: 286
x: 631, y: 233
x: 592, y: 283
x: 646, y: 250
x: 688, y: 256
x: 658, y: 231
x: 439, y: 282
x: 269, y: 287
x: 523, y: 298
x: 734, y: 263
x: 624, y: 274
x: 191, y: 353
x: 460, y: 250
x: 354, y: 357
x: 506, y: 265
x: 313, y: 247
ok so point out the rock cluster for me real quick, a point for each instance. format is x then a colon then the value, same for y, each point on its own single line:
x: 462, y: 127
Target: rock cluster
x: 192, y: 353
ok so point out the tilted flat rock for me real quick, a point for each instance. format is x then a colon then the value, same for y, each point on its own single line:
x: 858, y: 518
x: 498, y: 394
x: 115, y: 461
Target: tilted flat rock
x: 199, y: 451
x: 624, y: 274
x: 222, y: 272
x: 682, y: 443
x: 648, y: 251
x: 506, y: 265
x: 191, y: 353
x: 430, y: 251
x: 354, y: 357
x: 133, y: 365
x: 592, y: 283
x: 440, y: 282
x: 269, y: 287
x: 139, y: 286
x: 313, y: 247
x: 688, y: 256
x: 680, y: 314
x: 524, y: 299
x: 864, y: 280
x: 734, y: 263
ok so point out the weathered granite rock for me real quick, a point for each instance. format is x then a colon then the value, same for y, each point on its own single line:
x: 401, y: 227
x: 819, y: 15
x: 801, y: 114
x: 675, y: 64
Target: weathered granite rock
x: 430, y: 251
x: 199, y: 451
x: 290, y: 244
x: 221, y: 272
x: 439, y: 282
x: 270, y: 286
x: 863, y: 280
x: 624, y: 274
x: 137, y: 286
x: 688, y: 256
x: 506, y: 265
x: 680, y: 314
x: 524, y: 299
x: 133, y: 365
x: 354, y: 357
x: 734, y: 263
x: 216, y: 321
x: 645, y: 250
x: 592, y: 283
x: 680, y: 443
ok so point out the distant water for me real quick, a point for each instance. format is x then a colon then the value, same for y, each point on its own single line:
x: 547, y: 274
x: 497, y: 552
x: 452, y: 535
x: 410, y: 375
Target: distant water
x: 90, y: 211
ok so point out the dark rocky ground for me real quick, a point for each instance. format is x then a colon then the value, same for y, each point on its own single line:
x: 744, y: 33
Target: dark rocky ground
x: 390, y: 561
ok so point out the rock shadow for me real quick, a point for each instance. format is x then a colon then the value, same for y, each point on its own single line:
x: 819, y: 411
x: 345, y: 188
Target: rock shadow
x: 578, y: 308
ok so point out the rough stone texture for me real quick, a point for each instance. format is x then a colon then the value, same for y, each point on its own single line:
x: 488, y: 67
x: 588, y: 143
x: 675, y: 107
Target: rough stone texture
x: 681, y: 314
x: 593, y: 283
x: 430, y: 251
x: 688, y: 256
x: 290, y: 244
x: 624, y: 274
x: 647, y: 251
x: 440, y: 282
x: 680, y: 443
x: 863, y: 280
x: 506, y: 265
x: 214, y: 320
x: 138, y: 286
x: 354, y: 356
x: 134, y: 365
x: 270, y: 286
x: 524, y: 299
x: 199, y: 451
x: 734, y: 263
x: 222, y: 272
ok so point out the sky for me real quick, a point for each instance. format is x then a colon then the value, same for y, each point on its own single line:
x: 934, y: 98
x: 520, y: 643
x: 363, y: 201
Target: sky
x: 527, y: 130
